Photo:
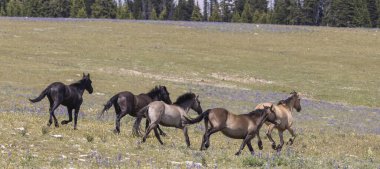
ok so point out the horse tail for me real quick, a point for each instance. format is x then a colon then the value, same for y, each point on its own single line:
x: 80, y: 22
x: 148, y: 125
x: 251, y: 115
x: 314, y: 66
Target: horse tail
x: 139, y: 115
x: 41, y: 96
x: 204, y: 115
x: 109, y: 104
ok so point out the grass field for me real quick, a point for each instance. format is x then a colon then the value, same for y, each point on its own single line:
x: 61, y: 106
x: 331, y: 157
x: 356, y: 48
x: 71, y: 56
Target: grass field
x: 235, y: 66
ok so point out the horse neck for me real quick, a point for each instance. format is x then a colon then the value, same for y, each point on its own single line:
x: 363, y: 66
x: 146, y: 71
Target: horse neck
x: 153, y: 94
x: 289, y: 103
x: 186, y: 105
x: 80, y: 87
x: 258, y: 118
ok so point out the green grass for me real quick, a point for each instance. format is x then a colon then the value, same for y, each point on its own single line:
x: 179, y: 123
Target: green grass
x: 339, y: 65
x: 313, y: 148
x: 331, y: 64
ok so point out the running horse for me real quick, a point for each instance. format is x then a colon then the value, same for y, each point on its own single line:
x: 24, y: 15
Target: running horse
x: 242, y: 126
x: 128, y: 103
x: 67, y: 95
x: 169, y: 115
x: 284, y: 117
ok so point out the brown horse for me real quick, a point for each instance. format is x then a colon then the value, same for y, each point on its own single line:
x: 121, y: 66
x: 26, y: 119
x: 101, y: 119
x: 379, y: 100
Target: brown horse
x: 173, y: 115
x: 284, y: 116
x: 243, y: 126
x: 128, y: 103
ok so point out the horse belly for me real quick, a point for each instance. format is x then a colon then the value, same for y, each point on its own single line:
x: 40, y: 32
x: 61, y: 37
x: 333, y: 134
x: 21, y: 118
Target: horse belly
x: 169, y: 121
x: 234, y: 133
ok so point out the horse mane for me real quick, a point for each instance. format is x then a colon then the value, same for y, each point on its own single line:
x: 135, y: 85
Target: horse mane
x: 153, y: 92
x: 286, y: 101
x: 257, y: 112
x: 184, y: 97
x: 77, y: 84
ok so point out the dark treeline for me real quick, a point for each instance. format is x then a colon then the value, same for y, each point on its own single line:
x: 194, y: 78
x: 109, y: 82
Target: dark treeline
x: 340, y: 13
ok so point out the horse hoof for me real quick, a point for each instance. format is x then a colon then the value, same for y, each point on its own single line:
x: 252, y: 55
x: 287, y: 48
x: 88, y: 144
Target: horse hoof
x: 274, y: 147
x: 290, y: 142
x: 56, y: 125
x: 278, y: 148
x: 237, y: 153
x: 260, y: 144
x: 163, y: 134
x: 116, y: 131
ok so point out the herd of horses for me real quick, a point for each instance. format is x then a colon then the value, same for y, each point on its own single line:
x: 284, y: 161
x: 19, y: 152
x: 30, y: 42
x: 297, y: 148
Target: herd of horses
x: 158, y: 109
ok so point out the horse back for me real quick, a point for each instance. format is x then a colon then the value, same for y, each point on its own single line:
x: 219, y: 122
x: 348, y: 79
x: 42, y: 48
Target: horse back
x: 261, y: 105
x: 57, y: 89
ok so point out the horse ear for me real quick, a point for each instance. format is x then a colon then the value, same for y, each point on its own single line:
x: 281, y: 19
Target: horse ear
x: 88, y: 75
x: 84, y: 75
x: 197, y: 97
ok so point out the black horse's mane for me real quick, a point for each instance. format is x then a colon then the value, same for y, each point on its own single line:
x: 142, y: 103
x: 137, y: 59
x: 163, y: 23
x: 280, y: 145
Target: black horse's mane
x: 154, y: 92
x: 184, y: 97
x: 78, y: 83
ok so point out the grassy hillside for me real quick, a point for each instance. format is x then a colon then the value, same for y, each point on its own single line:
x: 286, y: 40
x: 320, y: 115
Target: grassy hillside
x: 235, y: 66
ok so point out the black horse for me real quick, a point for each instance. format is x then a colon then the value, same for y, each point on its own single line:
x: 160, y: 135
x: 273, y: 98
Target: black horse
x: 67, y: 95
x: 128, y: 103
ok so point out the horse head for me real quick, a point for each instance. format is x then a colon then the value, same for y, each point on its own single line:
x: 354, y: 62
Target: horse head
x: 164, y: 95
x: 86, y: 81
x: 197, y: 105
x: 297, y: 101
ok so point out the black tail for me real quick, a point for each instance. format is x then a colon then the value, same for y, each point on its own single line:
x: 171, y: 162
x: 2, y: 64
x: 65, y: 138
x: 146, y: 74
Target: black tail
x: 139, y: 115
x: 197, y: 119
x: 109, y: 104
x: 41, y: 96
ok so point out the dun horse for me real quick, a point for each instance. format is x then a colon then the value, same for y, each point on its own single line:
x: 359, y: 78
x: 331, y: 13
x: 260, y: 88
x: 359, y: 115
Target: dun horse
x: 128, y: 103
x: 173, y: 115
x: 243, y: 126
x: 67, y: 95
x: 284, y: 115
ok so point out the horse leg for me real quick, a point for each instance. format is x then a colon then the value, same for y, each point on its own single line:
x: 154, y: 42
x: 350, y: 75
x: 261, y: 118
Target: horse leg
x: 50, y: 108
x: 204, y: 135
x: 162, y: 133
x: 55, y: 106
x: 185, y: 133
x: 291, y: 140
x: 269, y: 135
x: 118, y: 118
x: 76, y: 118
x: 207, y: 139
x: 70, y: 113
x: 158, y: 135
x: 151, y: 126
x: 281, y: 135
x: 259, y: 142
x: 245, y: 141
x: 250, y: 148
